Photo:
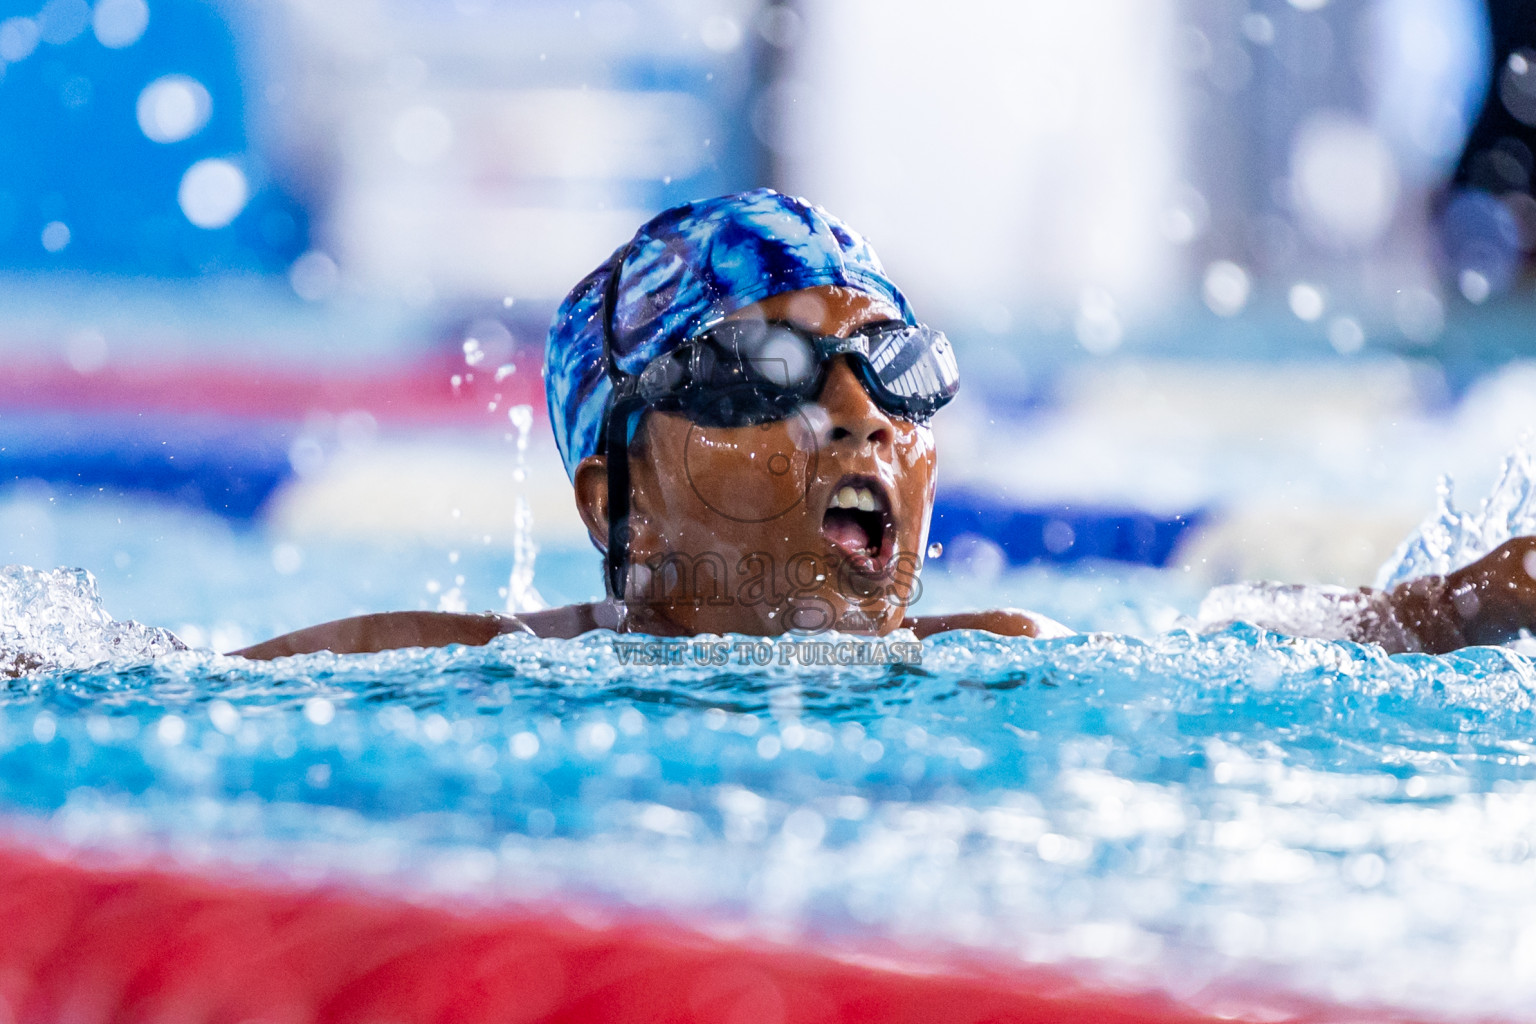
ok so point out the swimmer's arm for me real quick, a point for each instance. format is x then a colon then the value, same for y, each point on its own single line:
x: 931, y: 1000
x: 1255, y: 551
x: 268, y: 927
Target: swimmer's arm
x: 386, y: 631
x: 1487, y: 602
x: 1002, y: 621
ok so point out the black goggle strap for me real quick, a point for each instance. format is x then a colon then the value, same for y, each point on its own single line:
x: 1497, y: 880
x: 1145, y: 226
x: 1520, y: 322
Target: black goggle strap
x: 626, y: 411
x: 622, y: 407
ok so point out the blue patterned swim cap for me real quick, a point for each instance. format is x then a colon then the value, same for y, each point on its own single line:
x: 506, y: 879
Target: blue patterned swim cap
x: 685, y: 269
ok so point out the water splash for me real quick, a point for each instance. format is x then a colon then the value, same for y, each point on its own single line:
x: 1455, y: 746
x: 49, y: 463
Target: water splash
x: 1301, y: 610
x: 521, y: 596
x: 54, y: 621
x: 1451, y: 538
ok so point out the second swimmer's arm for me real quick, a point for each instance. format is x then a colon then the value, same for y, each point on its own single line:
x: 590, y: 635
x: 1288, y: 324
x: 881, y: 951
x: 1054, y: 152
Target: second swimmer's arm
x: 1487, y: 602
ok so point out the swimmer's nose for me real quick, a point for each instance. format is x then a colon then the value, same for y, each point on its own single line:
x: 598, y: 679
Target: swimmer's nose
x: 852, y: 416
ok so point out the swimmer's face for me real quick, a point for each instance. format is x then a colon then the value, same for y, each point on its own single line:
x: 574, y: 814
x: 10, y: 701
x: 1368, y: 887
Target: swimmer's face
x: 815, y: 522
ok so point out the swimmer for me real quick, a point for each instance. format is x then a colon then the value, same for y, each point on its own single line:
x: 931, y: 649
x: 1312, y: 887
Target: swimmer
x: 743, y: 402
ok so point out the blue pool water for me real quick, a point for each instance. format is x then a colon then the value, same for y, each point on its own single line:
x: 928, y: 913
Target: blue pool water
x: 1212, y: 815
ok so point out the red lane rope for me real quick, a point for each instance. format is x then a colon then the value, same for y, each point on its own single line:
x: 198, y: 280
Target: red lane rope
x: 140, y: 945
x: 415, y: 393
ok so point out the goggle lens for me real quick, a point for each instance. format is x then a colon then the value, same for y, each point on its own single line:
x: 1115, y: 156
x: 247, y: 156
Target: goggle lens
x: 753, y: 371
x: 914, y: 364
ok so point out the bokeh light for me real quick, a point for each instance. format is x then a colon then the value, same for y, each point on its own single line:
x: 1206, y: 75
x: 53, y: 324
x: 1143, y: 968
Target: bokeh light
x: 18, y: 38
x: 173, y: 108
x: 1345, y: 178
x: 212, y: 193
x: 1227, y: 286
x: 119, y: 23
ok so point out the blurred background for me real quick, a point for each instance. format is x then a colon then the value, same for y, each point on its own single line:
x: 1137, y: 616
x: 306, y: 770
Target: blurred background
x: 1233, y: 282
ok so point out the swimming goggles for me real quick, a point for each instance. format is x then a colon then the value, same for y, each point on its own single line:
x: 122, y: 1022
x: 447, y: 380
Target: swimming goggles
x: 744, y: 372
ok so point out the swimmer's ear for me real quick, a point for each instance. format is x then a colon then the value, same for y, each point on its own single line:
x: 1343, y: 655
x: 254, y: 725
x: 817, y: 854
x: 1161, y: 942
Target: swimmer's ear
x: 592, y: 497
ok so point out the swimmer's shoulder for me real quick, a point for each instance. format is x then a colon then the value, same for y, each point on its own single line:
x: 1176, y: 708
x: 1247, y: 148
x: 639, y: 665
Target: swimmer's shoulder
x: 563, y: 623
x: 1002, y: 621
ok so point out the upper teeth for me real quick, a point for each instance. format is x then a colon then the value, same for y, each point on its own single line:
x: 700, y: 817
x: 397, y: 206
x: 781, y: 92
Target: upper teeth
x: 861, y: 498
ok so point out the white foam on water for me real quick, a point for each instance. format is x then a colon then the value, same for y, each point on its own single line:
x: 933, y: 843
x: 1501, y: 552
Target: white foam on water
x: 53, y: 621
x: 1322, y: 612
x: 1451, y: 538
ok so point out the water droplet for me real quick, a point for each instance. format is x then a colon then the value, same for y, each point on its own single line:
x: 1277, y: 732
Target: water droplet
x: 935, y: 549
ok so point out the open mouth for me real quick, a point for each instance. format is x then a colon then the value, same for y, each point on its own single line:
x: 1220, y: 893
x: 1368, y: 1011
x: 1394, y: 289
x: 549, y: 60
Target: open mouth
x: 858, y: 522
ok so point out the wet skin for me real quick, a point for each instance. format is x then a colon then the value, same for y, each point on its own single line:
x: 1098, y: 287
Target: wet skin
x: 731, y: 527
